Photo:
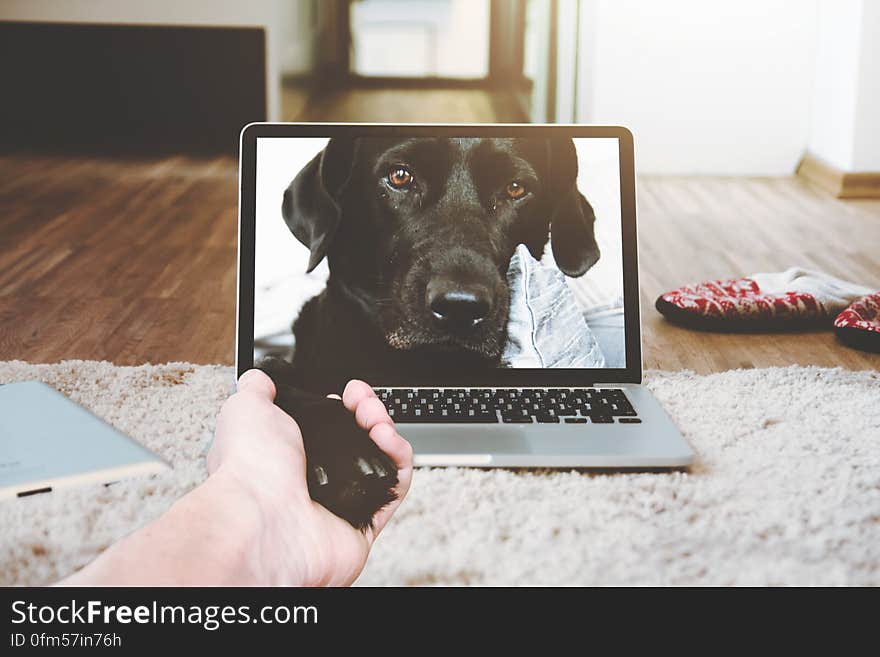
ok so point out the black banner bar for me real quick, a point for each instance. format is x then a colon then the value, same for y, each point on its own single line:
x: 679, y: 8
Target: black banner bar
x: 377, y: 619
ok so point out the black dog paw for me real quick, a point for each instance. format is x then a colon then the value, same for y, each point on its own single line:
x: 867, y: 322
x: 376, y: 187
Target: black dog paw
x: 346, y: 472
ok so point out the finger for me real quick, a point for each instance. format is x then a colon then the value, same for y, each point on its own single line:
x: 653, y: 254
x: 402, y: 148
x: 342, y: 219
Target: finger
x: 258, y: 382
x: 370, y: 412
x: 355, y: 392
x: 390, y: 442
x: 393, y: 444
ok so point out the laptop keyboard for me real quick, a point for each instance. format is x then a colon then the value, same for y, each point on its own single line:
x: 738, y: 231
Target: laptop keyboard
x: 508, y: 405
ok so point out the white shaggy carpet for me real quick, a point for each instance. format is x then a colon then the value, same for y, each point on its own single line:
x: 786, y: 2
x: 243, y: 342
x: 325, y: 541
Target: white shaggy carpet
x: 786, y: 490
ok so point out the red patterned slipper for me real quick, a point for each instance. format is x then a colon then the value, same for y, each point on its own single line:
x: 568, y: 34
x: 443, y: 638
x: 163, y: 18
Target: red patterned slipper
x: 859, y: 325
x: 793, y: 298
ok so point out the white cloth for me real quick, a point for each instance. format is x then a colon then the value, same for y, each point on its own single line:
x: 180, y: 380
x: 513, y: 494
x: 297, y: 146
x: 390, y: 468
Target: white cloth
x: 546, y: 326
x: 833, y: 293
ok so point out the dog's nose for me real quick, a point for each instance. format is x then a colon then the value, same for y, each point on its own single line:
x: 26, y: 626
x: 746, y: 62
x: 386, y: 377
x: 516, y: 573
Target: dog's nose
x: 458, y: 307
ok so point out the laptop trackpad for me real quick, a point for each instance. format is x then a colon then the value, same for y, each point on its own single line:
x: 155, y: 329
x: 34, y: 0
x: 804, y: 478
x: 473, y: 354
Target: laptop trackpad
x: 463, y: 439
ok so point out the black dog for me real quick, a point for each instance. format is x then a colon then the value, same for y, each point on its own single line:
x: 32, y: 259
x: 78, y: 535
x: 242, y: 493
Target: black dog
x: 419, y: 234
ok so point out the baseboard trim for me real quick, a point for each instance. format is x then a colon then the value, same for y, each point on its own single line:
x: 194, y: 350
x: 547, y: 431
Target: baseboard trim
x: 838, y: 183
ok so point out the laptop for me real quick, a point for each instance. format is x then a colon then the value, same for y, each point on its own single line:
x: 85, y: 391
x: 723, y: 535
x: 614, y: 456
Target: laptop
x: 482, y: 278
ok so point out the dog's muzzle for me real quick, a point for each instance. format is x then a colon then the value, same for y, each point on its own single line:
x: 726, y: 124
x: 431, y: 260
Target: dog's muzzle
x: 458, y: 308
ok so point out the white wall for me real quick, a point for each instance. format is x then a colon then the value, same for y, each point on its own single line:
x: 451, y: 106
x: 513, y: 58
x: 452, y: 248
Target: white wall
x: 707, y: 87
x: 835, y: 92
x: 267, y: 14
x: 297, y: 32
x: 866, y: 150
x: 845, y: 127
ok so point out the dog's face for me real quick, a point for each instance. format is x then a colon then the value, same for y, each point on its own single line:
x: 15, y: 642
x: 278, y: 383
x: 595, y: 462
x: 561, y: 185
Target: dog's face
x: 421, y: 231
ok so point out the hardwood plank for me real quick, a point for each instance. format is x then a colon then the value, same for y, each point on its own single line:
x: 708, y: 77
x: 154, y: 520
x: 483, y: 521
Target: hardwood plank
x: 120, y: 259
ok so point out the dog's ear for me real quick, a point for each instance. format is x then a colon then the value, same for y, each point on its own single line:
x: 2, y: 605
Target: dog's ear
x: 312, y: 203
x: 571, y: 215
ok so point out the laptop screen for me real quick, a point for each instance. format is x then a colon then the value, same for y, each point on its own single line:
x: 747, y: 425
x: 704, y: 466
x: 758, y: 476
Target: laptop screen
x: 391, y: 254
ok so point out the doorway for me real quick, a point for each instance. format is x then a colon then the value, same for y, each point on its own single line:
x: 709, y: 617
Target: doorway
x: 426, y: 39
x: 418, y: 60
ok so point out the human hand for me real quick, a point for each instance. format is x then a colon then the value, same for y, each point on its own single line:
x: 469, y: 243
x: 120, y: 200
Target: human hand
x: 258, y: 454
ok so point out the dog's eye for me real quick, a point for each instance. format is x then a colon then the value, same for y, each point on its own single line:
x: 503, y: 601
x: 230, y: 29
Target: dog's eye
x: 516, y: 190
x: 400, y: 177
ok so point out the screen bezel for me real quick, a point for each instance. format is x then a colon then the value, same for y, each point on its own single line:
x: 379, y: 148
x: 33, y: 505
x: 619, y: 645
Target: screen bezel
x: 509, y: 377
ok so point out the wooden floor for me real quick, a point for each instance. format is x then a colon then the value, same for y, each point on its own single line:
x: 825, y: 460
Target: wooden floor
x: 133, y: 261
x: 128, y: 261
x: 401, y: 106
